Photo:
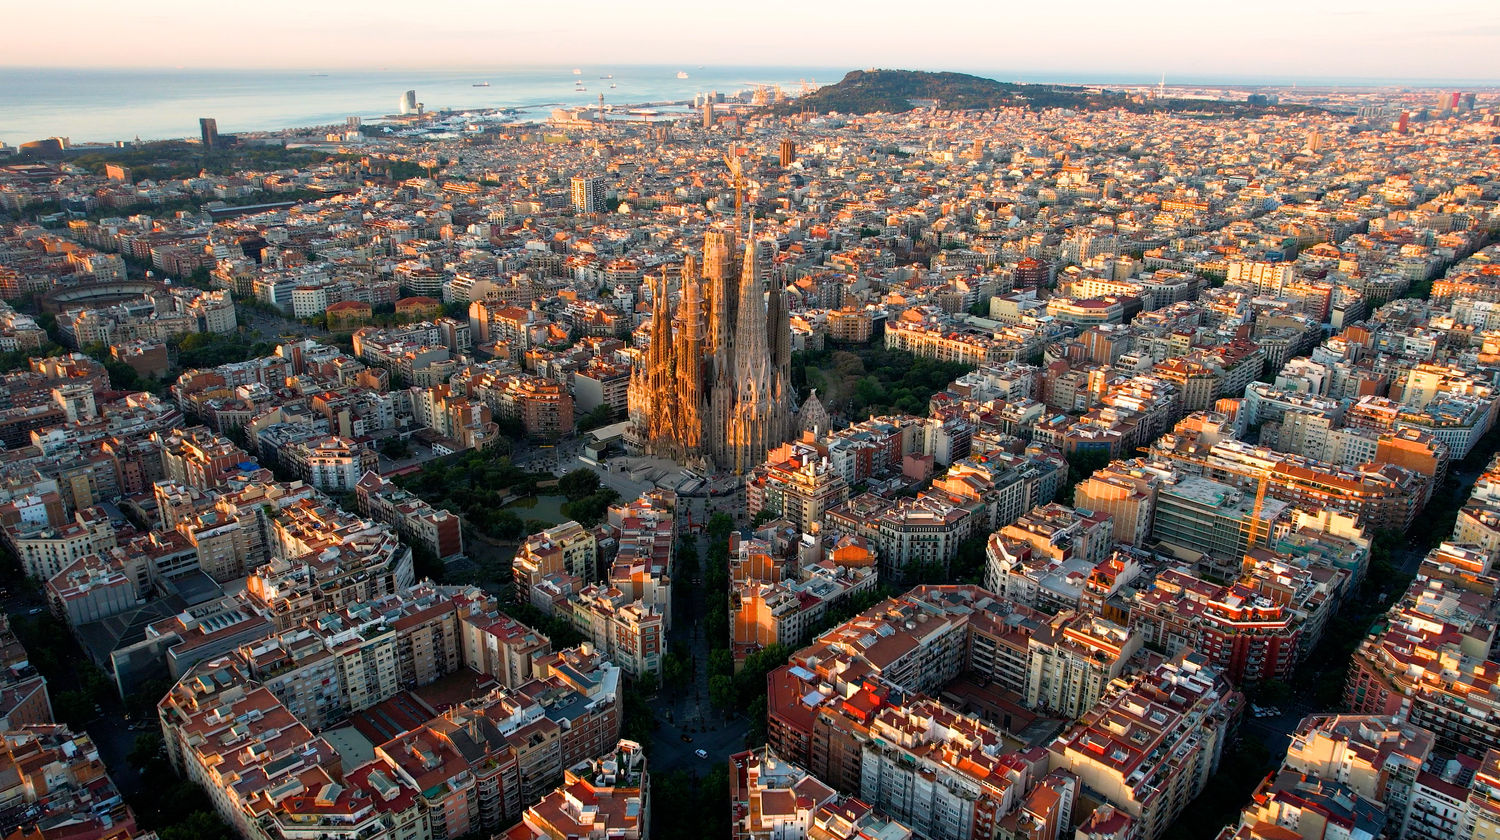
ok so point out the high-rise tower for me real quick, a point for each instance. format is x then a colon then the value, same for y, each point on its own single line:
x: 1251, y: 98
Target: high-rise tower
x: 588, y: 194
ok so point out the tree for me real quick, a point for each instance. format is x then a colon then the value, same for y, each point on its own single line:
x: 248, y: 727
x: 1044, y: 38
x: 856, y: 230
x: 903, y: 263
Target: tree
x: 968, y: 563
x: 721, y: 691
x: 578, y: 483
x: 1081, y: 464
x: 396, y: 448
x: 506, y: 525
x: 589, y: 510
x: 719, y: 526
x: 599, y: 415
x: 750, y: 682
x: 75, y: 708
x: 676, y: 671
x: 647, y: 684
x: 756, y: 711
x: 638, y: 720
x: 147, y: 749
x: 1273, y: 692
x: 199, y: 825
x: 686, y: 559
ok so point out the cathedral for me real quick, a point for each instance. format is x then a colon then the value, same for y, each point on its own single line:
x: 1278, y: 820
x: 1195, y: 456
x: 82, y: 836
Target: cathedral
x: 714, y: 389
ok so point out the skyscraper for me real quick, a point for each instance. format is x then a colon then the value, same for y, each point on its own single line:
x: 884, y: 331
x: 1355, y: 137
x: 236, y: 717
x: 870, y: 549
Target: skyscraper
x: 408, y: 103
x: 729, y: 408
x: 208, y: 128
x: 708, y: 114
x: 788, y: 152
x: 588, y: 194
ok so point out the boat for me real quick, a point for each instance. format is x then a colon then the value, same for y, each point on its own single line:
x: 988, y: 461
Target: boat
x: 612, y: 84
x: 682, y: 74
x: 577, y: 72
x: 481, y: 84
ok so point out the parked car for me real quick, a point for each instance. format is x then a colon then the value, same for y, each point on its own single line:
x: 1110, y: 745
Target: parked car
x: 701, y: 753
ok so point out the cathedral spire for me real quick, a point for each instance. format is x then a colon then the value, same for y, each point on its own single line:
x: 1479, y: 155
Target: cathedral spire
x: 754, y: 427
x: 747, y: 408
x: 660, y: 373
x: 690, y: 365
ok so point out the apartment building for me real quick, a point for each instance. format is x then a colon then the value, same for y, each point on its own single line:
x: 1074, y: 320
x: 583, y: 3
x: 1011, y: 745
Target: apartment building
x: 1247, y: 635
x: 234, y: 739
x: 569, y: 548
x: 46, y: 550
x: 1072, y: 658
x: 908, y: 533
x: 1008, y: 485
x: 1430, y: 659
x: 606, y: 796
x: 776, y: 601
x: 54, y: 785
x: 92, y: 588
x: 1152, y: 742
x: 796, y: 483
x: 632, y: 634
x: 1197, y: 516
x: 438, y: 530
x: 23, y: 692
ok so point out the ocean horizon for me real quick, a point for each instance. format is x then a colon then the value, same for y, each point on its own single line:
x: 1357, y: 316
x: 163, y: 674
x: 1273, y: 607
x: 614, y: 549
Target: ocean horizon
x: 99, y: 105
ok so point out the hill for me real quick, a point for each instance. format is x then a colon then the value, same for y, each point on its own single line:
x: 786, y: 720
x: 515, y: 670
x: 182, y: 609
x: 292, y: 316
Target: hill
x: 893, y: 91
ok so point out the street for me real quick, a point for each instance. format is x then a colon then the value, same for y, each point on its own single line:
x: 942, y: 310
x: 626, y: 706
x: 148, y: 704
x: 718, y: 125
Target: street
x: 109, y: 729
x: 687, y: 713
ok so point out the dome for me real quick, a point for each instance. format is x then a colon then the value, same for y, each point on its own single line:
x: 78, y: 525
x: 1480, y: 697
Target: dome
x: 813, y: 416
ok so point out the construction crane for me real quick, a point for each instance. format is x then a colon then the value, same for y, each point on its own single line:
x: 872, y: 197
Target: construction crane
x: 736, y: 164
x: 1261, y: 483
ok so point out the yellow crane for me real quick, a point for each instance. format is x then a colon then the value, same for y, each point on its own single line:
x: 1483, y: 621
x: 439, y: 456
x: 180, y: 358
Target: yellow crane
x: 1261, y: 482
x: 735, y: 161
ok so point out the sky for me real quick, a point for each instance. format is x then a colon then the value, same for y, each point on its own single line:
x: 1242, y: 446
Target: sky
x: 1434, y: 40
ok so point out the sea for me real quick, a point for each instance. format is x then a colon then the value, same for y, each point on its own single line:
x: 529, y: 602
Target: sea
x: 102, y: 105
x: 91, y: 105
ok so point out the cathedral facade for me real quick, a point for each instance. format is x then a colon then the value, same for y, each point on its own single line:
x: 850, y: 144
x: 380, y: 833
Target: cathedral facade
x: 714, y: 388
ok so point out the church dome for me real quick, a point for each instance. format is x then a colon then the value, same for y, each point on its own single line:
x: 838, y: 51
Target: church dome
x: 813, y: 417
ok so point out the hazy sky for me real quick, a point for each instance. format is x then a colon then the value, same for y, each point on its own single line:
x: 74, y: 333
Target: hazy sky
x: 1436, y: 39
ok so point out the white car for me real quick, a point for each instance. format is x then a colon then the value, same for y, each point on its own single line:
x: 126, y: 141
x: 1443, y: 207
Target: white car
x: 701, y: 753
